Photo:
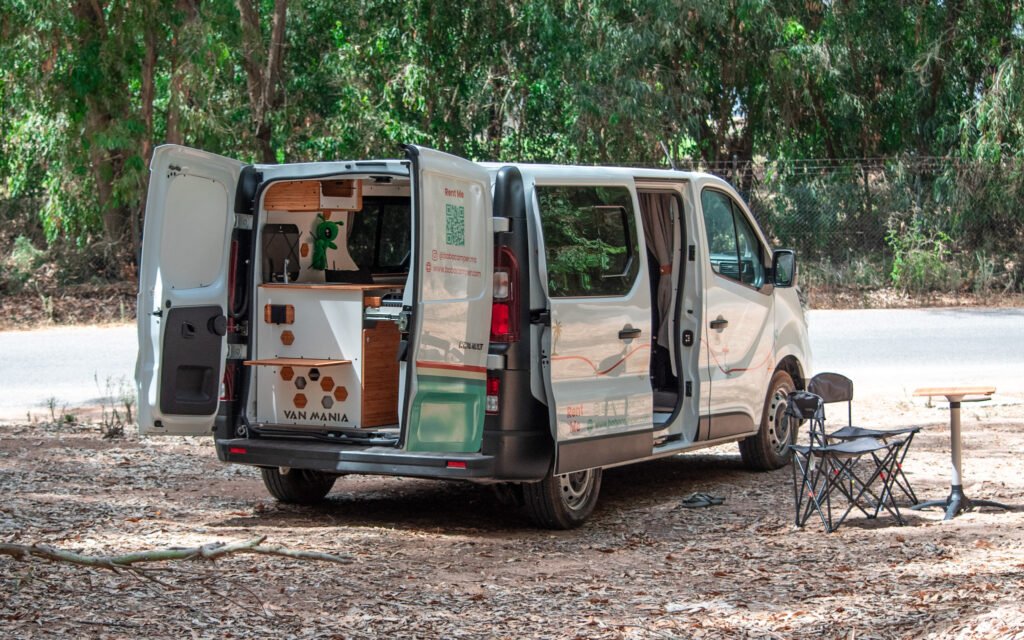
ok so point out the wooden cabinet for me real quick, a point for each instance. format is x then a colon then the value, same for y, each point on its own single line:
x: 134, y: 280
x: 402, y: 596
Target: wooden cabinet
x: 319, y: 364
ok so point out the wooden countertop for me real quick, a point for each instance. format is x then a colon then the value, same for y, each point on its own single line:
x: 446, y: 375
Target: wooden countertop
x: 330, y: 286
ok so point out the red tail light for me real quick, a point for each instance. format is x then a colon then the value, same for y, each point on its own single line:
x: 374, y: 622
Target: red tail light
x: 505, y: 310
x: 493, y: 391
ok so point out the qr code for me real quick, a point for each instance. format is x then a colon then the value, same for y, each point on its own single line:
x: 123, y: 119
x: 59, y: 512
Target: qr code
x: 454, y: 225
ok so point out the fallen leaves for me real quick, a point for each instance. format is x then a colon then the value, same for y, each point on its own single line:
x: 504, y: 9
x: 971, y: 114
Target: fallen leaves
x: 432, y: 559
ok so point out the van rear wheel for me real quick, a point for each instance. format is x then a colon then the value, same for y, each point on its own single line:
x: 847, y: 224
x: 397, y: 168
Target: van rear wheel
x: 297, y: 486
x: 769, y: 447
x: 562, y: 502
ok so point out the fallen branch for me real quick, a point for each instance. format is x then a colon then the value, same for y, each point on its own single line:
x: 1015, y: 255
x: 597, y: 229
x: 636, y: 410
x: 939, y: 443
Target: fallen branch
x: 210, y: 551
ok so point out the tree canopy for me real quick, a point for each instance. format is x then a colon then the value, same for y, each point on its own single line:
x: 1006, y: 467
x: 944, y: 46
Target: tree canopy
x: 89, y: 87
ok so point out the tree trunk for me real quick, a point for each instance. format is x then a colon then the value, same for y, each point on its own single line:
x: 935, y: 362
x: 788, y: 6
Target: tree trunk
x: 146, y: 97
x: 179, y: 90
x: 263, y: 70
x: 92, y: 31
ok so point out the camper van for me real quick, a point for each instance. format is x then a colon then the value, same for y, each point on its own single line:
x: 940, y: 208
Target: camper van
x: 523, y: 326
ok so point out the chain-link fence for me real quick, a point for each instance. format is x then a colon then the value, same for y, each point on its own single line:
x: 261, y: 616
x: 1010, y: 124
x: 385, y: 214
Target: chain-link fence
x: 920, y: 224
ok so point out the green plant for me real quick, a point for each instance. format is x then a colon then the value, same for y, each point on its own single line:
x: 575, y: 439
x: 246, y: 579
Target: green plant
x: 117, y: 406
x: 985, y: 273
x: 21, y: 264
x: 921, y: 260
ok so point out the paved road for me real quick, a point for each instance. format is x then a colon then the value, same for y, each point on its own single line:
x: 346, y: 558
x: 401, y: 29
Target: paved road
x: 887, y: 353
x: 891, y: 352
x: 72, y: 365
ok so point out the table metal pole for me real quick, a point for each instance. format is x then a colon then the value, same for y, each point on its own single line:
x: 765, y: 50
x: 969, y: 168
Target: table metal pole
x: 955, y: 444
x: 957, y: 501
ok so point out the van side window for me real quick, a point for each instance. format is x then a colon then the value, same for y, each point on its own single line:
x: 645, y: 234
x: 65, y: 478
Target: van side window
x: 590, y: 240
x: 735, y: 250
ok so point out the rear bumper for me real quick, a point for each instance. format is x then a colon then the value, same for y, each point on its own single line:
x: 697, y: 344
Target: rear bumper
x: 341, y: 458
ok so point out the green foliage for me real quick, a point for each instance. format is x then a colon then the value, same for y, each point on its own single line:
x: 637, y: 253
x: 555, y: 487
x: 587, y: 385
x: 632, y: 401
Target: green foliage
x: 88, y: 87
x: 21, y: 264
x: 921, y: 260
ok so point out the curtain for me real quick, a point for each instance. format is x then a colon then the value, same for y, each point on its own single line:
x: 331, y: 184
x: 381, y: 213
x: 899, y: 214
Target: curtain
x: 656, y: 210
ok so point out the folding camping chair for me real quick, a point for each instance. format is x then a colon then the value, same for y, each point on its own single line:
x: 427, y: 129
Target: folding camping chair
x: 829, y: 469
x: 835, y: 387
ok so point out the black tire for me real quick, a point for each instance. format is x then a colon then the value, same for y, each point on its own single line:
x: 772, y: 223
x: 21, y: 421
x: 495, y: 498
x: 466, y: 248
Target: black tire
x: 768, y: 448
x: 298, y: 486
x: 562, y: 502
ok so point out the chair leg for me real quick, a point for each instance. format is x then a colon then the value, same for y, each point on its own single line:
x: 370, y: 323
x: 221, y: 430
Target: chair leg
x: 901, y: 480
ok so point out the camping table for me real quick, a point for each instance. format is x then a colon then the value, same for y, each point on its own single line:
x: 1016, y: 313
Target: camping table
x: 957, y: 502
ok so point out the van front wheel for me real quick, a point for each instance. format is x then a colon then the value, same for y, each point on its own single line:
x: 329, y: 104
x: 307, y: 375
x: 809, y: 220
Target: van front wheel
x: 769, y: 447
x: 562, y: 502
x: 297, y: 486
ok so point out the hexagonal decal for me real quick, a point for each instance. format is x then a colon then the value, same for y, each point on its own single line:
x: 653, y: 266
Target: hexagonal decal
x: 287, y: 338
x: 304, y: 250
x: 299, y: 400
x: 327, y: 384
x: 314, y: 374
x: 287, y: 373
x: 340, y: 394
x: 327, y: 402
x: 300, y: 383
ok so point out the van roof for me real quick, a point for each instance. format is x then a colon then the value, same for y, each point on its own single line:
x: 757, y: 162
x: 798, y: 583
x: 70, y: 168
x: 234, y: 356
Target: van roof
x: 570, y: 170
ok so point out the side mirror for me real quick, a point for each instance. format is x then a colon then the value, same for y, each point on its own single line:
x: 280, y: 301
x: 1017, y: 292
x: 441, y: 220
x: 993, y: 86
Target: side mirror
x: 784, y: 267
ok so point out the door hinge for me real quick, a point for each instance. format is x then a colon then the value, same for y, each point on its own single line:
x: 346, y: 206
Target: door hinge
x: 243, y: 221
x: 691, y: 253
x: 540, y: 316
x: 689, y: 389
x: 501, y: 225
x: 687, y: 338
x: 236, y: 351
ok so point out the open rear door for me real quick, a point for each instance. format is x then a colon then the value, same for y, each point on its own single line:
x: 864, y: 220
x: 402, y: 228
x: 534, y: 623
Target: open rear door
x: 450, y: 299
x: 183, y: 285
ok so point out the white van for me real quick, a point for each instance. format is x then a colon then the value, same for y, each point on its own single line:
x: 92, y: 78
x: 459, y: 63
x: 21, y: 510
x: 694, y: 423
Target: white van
x: 524, y: 326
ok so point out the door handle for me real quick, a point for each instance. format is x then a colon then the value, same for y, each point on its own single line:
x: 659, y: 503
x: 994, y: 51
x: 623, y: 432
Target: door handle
x: 719, y: 323
x: 628, y: 333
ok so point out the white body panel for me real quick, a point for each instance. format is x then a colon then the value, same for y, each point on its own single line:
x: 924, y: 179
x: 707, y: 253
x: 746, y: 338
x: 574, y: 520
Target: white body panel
x: 189, y: 218
x: 740, y: 355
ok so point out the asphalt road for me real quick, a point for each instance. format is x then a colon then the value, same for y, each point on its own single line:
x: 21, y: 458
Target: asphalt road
x: 888, y: 353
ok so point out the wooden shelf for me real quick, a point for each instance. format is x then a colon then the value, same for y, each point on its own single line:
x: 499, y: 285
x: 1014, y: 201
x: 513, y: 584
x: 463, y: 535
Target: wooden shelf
x: 328, y: 286
x: 296, y: 362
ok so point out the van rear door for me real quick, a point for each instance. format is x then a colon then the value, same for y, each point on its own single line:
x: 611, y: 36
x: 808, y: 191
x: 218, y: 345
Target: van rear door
x: 183, y: 281
x: 450, y: 300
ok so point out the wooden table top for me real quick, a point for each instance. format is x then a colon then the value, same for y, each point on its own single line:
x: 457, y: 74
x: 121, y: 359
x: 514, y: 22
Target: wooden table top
x: 955, y: 391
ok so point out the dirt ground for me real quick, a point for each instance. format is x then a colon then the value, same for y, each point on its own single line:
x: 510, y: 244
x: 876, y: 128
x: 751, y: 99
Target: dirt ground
x: 434, y: 559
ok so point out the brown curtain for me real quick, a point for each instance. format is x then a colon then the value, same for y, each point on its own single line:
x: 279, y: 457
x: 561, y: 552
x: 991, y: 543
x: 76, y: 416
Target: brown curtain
x: 656, y: 210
